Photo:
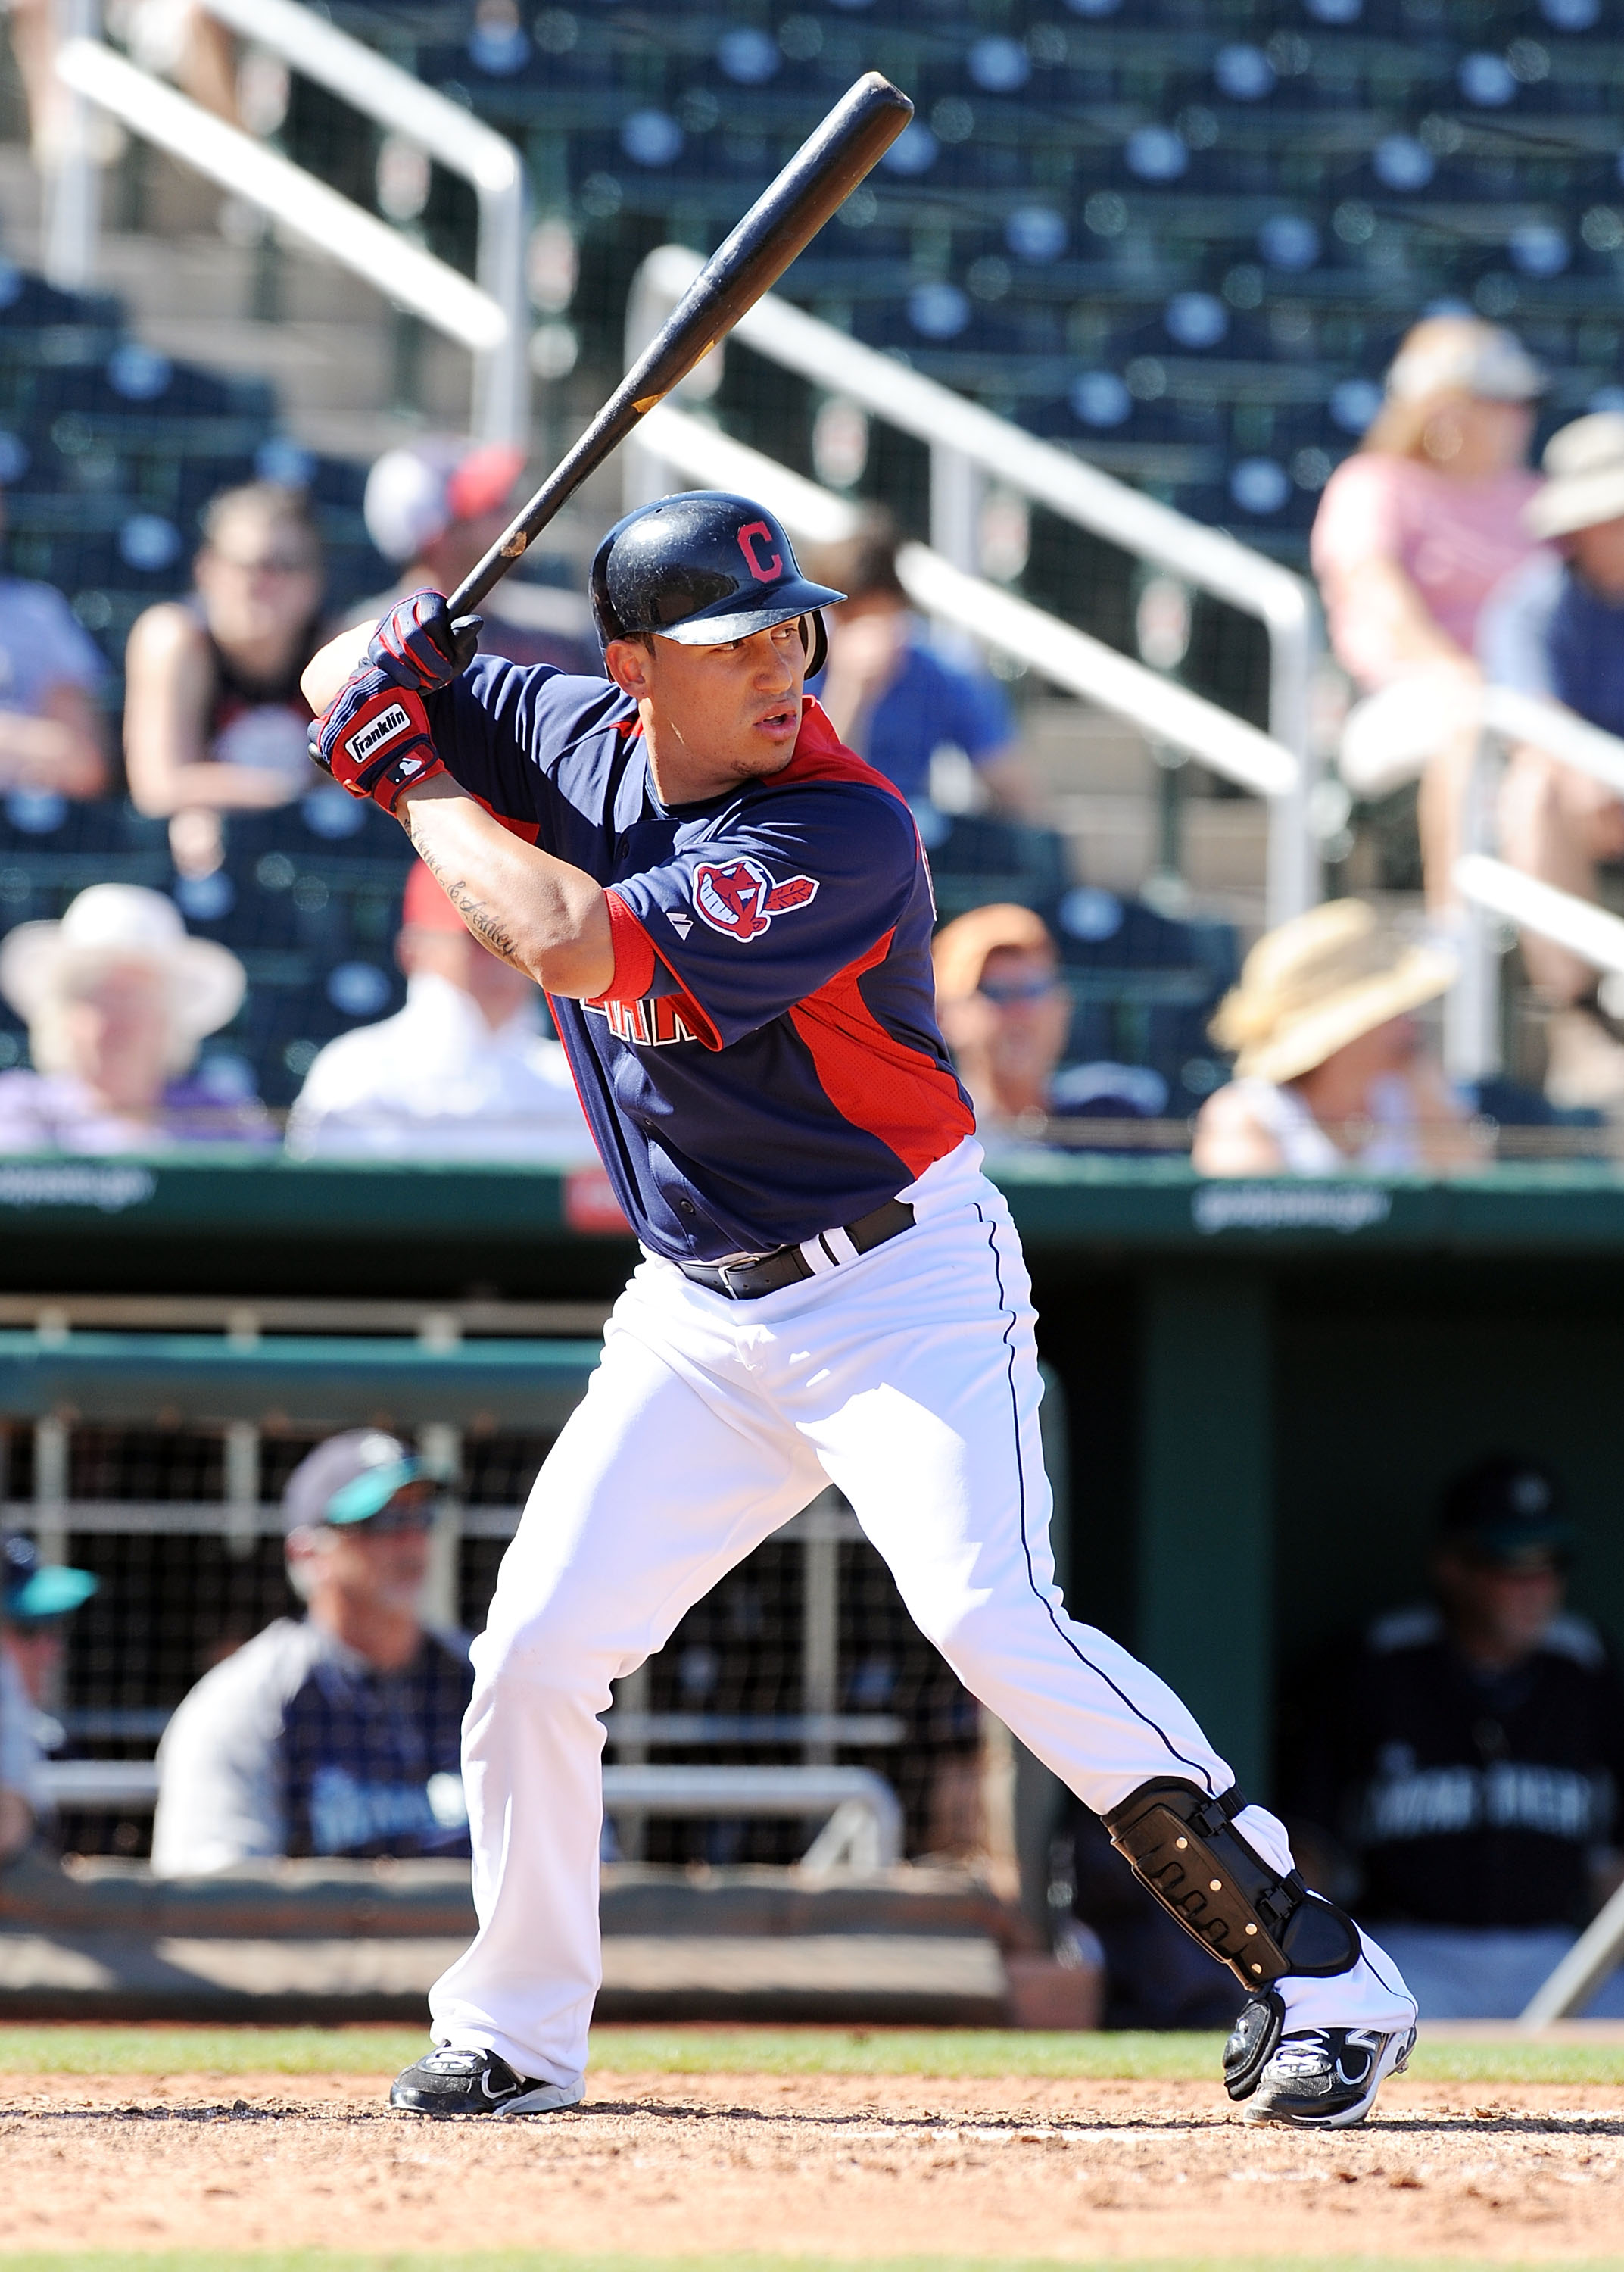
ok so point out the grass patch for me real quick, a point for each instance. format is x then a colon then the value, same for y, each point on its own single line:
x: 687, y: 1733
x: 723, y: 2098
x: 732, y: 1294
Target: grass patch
x: 951, y: 2054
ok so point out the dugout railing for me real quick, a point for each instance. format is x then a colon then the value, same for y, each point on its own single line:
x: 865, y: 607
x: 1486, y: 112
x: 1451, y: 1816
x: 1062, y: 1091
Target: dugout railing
x: 154, y: 1453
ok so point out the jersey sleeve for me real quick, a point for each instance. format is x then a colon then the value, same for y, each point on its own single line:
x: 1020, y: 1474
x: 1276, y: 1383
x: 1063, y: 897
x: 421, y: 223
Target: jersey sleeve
x: 758, y: 918
x: 511, y: 734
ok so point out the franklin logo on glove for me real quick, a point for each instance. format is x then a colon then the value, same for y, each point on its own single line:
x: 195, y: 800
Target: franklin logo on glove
x: 377, y: 731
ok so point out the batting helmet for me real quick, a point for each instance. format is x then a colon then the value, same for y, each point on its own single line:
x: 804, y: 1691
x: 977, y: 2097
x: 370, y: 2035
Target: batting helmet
x: 705, y: 568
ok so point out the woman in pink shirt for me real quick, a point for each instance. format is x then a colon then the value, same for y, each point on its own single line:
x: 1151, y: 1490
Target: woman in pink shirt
x: 1415, y: 530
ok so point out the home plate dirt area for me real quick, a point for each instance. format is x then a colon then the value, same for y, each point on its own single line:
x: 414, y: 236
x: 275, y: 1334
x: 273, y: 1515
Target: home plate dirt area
x: 670, y: 2166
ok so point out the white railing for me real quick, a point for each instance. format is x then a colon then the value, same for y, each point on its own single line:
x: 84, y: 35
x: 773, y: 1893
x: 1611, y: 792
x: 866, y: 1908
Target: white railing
x: 967, y: 442
x: 486, y: 159
x: 1496, y: 892
x: 488, y: 318
x: 1067, y: 658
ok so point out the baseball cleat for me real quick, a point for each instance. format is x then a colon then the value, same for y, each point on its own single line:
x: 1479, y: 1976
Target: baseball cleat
x: 1327, y: 2078
x: 452, y: 2082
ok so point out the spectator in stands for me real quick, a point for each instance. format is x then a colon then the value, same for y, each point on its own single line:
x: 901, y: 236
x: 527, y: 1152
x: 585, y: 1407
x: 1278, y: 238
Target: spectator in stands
x: 890, y: 697
x: 35, y: 1601
x: 464, y: 1071
x: 52, y: 739
x: 1005, y: 1010
x: 1415, y: 530
x: 436, y: 507
x: 175, y: 37
x: 213, y: 719
x: 117, y: 999
x: 339, y: 1733
x: 1555, y: 628
x: 1464, y: 1775
x: 1330, y: 1070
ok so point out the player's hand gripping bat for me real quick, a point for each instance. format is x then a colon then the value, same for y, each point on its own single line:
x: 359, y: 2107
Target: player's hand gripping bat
x: 818, y: 179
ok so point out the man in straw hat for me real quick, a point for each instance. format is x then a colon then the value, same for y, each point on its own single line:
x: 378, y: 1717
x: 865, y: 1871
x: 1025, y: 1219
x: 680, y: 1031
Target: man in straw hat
x: 1329, y: 1069
x: 117, y: 999
x: 1556, y: 629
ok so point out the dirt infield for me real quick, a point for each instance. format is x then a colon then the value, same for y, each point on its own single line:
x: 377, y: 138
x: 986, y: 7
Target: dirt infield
x: 660, y: 2166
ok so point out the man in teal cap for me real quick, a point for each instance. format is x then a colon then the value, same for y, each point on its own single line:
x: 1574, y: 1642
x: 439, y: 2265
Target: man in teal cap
x: 336, y: 1733
x: 35, y: 1598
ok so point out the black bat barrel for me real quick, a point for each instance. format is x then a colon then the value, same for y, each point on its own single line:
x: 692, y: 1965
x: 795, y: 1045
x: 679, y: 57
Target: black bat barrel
x: 816, y: 182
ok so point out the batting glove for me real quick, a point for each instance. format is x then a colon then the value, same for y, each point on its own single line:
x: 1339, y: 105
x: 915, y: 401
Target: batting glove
x: 419, y: 647
x: 374, y: 739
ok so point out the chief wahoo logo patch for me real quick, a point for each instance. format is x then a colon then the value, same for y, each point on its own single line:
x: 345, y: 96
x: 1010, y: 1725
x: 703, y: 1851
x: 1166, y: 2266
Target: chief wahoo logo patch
x: 740, y: 898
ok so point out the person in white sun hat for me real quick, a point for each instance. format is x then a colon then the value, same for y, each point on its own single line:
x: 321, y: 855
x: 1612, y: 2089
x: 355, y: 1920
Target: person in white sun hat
x: 1331, y: 1073
x: 117, y: 1000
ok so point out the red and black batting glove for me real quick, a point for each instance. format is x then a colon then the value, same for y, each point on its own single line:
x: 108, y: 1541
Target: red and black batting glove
x: 417, y: 646
x: 374, y: 739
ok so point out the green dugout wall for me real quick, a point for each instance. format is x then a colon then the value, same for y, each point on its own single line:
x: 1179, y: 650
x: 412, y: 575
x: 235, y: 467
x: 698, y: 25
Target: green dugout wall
x: 1266, y: 1383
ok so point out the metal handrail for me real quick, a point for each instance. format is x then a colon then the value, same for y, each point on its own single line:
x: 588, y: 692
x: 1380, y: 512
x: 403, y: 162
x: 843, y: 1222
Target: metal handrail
x: 371, y: 84
x: 955, y: 428
x: 441, y: 294
x: 1492, y: 886
x: 1065, y: 657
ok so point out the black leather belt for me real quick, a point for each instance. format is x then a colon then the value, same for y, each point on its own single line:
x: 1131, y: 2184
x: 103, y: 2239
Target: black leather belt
x: 786, y: 1266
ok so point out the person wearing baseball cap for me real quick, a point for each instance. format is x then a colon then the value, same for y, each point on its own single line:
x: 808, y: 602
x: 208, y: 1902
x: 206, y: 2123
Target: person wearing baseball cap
x: 434, y: 507
x: 464, y: 1071
x: 338, y: 1733
x: 1005, y: 1012
x: 1555, y: 629
x: 36, y: 1600
x: 1414, y: 532
x: 1467, y: 1762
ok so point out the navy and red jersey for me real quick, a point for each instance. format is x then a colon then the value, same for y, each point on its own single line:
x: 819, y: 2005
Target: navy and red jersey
x: 766, y: 1064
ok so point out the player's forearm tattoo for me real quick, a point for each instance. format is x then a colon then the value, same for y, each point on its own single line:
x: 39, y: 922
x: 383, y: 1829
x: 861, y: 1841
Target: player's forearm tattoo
x: 481, y: 921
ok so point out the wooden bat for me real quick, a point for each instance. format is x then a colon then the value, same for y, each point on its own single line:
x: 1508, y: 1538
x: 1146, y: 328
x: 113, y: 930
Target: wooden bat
x: 819, y: 178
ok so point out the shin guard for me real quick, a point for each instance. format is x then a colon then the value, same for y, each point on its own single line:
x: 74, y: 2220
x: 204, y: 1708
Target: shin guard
x: 1185, y: 1847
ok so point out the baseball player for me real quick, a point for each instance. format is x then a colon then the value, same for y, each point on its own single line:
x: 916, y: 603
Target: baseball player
x: 731, y: 914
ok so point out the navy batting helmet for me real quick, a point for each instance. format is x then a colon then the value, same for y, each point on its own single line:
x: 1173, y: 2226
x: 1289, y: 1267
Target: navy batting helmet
x: 705, y: 568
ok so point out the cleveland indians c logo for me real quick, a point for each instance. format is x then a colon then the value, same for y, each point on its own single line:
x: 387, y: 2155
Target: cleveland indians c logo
x: 755, y: 532
x: 740, y: 899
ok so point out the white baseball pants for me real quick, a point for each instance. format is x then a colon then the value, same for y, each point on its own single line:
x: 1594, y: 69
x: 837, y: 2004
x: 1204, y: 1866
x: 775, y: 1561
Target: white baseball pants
x: 909, y: 1379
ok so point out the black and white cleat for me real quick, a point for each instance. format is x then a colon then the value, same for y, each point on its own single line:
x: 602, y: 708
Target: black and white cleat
x: 1327, y: 2078
x: 448, y: 2083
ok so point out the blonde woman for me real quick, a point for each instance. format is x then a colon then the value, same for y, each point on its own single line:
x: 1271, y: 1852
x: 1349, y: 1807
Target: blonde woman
x: 214, y: 721
x: 1330, y: 1070
x: 1416, y: 529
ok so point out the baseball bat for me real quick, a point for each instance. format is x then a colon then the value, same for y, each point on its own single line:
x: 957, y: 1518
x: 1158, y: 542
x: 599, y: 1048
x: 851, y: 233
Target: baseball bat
x: 820, y: 177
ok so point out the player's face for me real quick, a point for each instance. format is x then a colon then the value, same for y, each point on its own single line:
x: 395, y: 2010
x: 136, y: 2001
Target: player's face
x: 713, y: 716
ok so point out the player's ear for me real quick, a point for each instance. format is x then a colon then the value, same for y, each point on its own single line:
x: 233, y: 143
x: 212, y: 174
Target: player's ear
x: 627, y: 662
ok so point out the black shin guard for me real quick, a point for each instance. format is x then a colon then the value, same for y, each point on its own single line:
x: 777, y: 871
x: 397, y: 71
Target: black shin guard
x: 1185, y: 1847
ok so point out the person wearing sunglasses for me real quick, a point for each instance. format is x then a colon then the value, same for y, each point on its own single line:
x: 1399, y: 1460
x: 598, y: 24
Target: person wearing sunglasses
x: 1005, y: 1011
x: 214, y: 721
x: 339, y: 1733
